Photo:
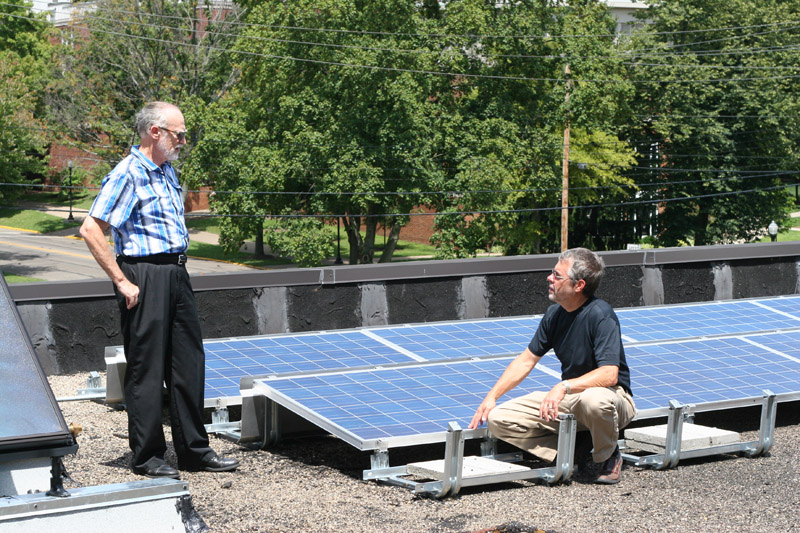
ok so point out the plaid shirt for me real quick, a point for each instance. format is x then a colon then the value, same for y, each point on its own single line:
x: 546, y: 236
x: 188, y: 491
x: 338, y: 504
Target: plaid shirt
x: 143, y: 205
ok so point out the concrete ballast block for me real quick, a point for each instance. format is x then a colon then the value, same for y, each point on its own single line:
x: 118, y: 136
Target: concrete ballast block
x: 472, y: 466
x: 693, y: 437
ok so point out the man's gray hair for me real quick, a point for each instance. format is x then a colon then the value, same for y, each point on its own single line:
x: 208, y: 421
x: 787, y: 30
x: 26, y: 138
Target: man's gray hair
x: 586, y: 265
x: 152, y: 114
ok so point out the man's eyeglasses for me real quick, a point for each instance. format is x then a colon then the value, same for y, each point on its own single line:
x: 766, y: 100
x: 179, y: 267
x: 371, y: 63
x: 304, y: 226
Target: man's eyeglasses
x: 181, y: 135
x: 557, y: 276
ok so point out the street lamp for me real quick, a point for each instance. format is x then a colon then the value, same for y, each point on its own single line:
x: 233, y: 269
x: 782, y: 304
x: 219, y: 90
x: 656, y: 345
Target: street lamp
x: 338, y: 242
x: 772, y: 229
x: 70, y: 218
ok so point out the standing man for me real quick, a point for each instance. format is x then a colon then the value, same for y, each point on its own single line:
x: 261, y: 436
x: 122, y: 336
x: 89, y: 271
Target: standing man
x: 141, y: 201
x: 584, y: 333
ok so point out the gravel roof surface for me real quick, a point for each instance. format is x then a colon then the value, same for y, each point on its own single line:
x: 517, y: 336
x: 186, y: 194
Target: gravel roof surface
x: 314, y: 484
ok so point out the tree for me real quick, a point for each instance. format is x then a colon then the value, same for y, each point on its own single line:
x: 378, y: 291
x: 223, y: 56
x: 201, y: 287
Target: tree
x: 721, y: 110
x: 503, y: 129
x: 370, y: 110
x: 25, y: 54
x: 311, y: 131
x: 125, y: 53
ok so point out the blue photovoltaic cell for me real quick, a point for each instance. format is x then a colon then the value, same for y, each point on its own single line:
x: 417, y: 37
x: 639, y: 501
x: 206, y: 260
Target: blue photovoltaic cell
x: 700, y: 320
x: 788, y: 343
x: 452, y: 340
x: 401, y: 402
x: 789, y: 305
x: 706, y: 371
x: 227, y: 361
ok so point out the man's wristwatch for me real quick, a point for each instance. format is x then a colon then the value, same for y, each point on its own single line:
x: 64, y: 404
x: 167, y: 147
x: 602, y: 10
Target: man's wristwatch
x: 567, y: 386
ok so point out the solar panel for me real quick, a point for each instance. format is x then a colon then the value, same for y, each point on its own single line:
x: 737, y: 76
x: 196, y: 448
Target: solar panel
x: 785, y: 304
x: 395, y: 406
x: 707, y: 373
x: 733, y: 317
x: 785, y: 343
x: 28, y: 410
x: 451, y: 340
x: 229, y: 360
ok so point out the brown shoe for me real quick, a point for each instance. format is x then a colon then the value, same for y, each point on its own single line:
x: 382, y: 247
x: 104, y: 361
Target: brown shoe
x: 610, y: 469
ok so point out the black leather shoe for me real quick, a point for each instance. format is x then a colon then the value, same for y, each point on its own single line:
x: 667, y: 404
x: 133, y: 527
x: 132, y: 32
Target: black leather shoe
x: 162, y: 470
x: 218, y: 464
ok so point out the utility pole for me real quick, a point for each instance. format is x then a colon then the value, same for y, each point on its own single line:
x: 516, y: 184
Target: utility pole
x: 565, y: 170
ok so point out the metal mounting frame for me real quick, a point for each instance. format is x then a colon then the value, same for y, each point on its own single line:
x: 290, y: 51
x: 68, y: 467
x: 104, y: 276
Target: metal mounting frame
x: 678, y: 415
x: 452, y: 479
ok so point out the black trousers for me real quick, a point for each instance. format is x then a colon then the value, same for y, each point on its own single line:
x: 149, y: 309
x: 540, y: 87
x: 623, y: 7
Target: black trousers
x: 163, y: 344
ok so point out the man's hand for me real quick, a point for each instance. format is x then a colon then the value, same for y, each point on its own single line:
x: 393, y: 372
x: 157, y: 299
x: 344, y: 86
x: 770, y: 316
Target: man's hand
x: 482, y: 413
x: 548, y: 410
x: 92, y: 231
x: 130, y: 292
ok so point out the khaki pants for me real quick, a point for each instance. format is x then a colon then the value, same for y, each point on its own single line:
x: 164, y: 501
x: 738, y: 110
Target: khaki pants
x: 603, y: 411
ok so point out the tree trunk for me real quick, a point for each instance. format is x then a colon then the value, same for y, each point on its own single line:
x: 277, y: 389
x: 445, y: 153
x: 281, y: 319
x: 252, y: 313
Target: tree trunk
x: 390, y: 244
x: 259, y: 251
x: 701, y: 227
x: 368, y: 250
x: 352, y: 226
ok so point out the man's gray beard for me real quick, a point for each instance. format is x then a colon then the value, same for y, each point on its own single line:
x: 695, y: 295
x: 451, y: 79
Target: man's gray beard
x: 170, y: 155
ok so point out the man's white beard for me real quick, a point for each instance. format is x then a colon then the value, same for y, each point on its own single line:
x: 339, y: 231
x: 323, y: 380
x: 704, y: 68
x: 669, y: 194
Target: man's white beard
x: 169, y: 155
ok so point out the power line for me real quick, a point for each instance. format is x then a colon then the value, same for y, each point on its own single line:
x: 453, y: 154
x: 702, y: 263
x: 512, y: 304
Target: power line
x: 436, y: 73
x: 455, y: 193
x: 508, y: 211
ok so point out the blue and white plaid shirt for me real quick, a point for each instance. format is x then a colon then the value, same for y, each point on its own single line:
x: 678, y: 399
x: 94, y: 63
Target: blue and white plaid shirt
x: 143, y: 205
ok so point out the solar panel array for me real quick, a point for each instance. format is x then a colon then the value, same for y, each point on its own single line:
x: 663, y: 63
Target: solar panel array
x: 230, y: 360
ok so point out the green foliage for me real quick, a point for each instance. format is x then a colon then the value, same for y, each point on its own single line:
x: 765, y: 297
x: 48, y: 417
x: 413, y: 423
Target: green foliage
x: 336, y: 138
x: 353, y: 109
x: 136, y: 52
x: 307, y: 241
x: 24, y: 70
x: 719, y: 101
x: 504, y: 137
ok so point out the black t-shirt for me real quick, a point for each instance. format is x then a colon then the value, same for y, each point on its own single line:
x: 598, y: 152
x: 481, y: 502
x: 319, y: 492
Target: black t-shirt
x: 583, y: 340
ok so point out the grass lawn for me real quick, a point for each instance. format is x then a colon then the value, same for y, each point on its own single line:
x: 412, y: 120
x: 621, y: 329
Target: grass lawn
x: 80, y: 200
x: 404, y: 249
x: 13, y: 278
x: 205, y: 250
x: 33, y: 220
x: 790, y: 235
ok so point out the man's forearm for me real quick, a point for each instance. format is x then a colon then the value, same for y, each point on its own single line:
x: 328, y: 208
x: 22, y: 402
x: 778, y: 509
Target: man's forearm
x: 94, y: 236
x: 604, y: 376
x: 513, y: 375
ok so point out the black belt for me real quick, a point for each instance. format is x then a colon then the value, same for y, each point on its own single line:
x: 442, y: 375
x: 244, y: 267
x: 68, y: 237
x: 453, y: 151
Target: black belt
x: 156, y: 259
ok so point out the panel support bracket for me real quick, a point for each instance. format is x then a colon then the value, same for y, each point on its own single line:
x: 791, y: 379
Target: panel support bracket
x: 451, y: 474
x: 678, y: 416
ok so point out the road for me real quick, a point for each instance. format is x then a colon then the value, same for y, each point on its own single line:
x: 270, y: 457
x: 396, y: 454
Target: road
x: 65, y: 257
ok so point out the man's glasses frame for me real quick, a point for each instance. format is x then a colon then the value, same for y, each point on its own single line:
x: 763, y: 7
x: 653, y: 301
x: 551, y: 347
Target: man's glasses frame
x: 180, y: 135
x: 559, y: 277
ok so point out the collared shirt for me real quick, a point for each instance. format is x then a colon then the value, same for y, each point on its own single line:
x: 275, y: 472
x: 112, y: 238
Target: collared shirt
x: 142, y: 203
